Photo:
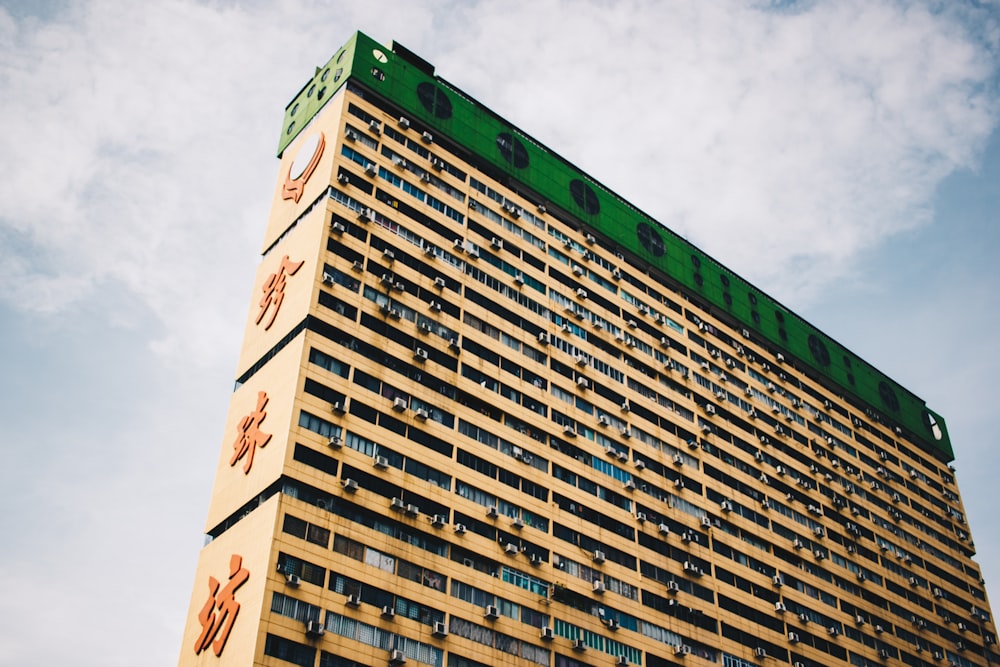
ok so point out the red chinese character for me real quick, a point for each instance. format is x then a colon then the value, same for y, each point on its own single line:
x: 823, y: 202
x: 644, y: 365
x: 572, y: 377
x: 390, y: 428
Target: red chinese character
x: 274, y: 290
x: 219, y: 613
x: 249, y: 436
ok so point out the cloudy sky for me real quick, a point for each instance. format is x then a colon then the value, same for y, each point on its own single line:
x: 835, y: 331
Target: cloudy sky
x: 842, y: 155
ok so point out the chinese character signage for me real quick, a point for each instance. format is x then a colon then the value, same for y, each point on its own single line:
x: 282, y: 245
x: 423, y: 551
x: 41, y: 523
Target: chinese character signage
x: 220, y: 610
x: 274, y: 291
x: 249, y: 436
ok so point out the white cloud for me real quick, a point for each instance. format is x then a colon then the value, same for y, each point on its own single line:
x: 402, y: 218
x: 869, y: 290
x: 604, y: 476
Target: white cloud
x: 772, y: 140
x: 804, y: 138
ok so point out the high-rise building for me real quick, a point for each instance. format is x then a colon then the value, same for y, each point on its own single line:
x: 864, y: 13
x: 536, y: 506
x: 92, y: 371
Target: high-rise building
x: 488, y: 412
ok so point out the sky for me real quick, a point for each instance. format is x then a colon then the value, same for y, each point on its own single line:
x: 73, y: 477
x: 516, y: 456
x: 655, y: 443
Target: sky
x: 844, y: 156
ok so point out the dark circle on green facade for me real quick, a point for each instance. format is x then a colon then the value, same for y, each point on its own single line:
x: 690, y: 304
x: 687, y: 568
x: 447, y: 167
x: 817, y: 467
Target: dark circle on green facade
x: 512, y: 150
x: 819, y: 351
x: 755, y: 316
x: 888, y: 396
x: 584, y: 197
x: 434, y: 100
x: 698, y: 280
x: 650, y: 239
x: 725, y: 280
x: 753, y: 298
x: 727, y: 297
x: 782, y: 334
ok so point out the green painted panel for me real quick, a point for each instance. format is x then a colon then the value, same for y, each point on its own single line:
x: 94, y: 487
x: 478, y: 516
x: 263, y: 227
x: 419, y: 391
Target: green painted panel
x: 452, y: 114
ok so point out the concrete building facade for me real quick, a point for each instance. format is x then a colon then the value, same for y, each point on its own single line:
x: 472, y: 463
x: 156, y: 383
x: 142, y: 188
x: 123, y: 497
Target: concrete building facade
x: 488, y: 412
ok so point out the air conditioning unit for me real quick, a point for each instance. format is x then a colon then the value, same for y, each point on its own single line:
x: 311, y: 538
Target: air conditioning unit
x: 421, y: 414
x: 293, y: 580
x: 598, y: 556
x: 640, y: 464
x: 793, y: 638
x: 420, y: 354
x: 440, y: 629
x: 682, y: 649
x: 439, y: 520
x: 622, y: 660
x: 335, y: 441
x: 579, y: 645
x: 491, y: 612
x: 678, y: 460
x: 819, y: 554
x: 380, y: 461
x: 492, y: 512
x: 663, y: 529
x: 397, y: 504
x: 706, y: 522
x: 629, y: 485
x: 569, y: 431
x: 353, y: 600
x: 511, y: 549
x: 582, y: 382
x: 599, y: 587
x: 760, y: 652
x: 396, y: 657
x: 399, y: 404
x: 692, y: 569
x: 578, y: 271
x: 439, y: 282
x: 460, y: 529
x: 779, y: 470
x: 709, y: 409
x: 726, y: 506
x: 833, y: 631
x: 519, y: 278
x: 543, y: 338
x: 672, y: 587
x: 777, y: 581
x: 314, y: 628
x: 350, y: 485
x: 517, y: 522
x: 780, y: 607
x: 427, y: 138
x: 388, y: 611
